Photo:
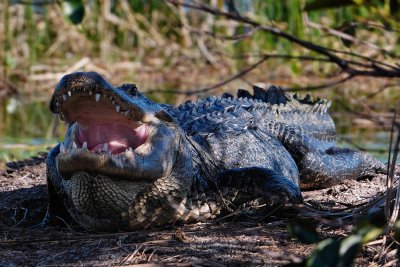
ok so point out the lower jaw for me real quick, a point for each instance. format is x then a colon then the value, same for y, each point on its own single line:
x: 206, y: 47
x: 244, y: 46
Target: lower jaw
x: 78, y: 160
x: 99, y: 202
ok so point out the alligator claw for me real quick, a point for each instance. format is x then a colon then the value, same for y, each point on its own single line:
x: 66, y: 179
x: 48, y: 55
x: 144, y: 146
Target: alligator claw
x: 282, y: 191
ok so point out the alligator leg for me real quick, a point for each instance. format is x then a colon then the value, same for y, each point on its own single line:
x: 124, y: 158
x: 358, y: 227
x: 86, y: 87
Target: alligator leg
x: 262, y: 182
x: 56, y: 208
x: 322, y: 164
x: 56, y: 211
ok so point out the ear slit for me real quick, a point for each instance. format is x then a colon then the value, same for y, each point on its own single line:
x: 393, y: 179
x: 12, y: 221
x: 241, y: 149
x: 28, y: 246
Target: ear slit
x: 164, y: 115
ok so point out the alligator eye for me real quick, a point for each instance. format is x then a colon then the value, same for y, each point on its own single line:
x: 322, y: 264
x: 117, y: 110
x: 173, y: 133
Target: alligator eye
x: 130, y: 89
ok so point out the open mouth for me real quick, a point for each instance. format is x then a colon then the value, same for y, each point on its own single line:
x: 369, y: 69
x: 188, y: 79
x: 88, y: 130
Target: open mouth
x: 102, y: 124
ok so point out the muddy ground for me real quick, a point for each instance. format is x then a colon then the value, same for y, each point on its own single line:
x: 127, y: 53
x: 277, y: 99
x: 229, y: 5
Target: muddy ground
x: 233, y: 241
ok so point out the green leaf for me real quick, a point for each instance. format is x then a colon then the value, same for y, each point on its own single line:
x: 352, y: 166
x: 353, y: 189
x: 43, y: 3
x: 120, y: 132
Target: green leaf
x: 369, y: 233
x: 74, y: 10
x: 349, y: 247
x: 304, y: 231
x: 322, y: 4
x: 326, y: 254
x: 10, y: 61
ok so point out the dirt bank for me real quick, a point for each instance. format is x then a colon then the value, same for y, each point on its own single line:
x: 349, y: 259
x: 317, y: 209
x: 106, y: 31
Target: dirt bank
x: 23, y: 200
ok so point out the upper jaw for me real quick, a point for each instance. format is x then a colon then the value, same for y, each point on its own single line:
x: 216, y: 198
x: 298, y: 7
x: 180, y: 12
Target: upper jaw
x: 97, y: 94
x: 125, y: 99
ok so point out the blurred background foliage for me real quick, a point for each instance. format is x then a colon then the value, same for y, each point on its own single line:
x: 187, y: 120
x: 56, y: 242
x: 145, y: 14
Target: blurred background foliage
x: 165, y: 48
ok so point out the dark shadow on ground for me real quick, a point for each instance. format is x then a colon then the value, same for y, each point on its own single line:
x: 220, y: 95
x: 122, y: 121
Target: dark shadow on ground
x: 23, y: 207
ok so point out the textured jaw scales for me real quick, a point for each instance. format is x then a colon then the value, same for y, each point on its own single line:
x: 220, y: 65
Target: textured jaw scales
x: 101, y: 124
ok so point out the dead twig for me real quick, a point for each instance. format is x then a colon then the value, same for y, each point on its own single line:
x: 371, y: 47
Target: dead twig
x: 321, y: 86
x: 214, y: 86
x: 347, y: 37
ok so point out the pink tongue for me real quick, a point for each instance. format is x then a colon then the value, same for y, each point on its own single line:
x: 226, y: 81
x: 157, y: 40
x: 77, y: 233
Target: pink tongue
x: 118, y: 137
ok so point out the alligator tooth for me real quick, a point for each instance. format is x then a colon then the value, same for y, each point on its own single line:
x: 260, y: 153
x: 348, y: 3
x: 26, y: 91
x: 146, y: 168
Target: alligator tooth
x: 62, y: 148
x: 126, y: 113
x: 65, y: 97
x: 69, y: 93
x: 97, y: 97
x: 117, y: 108
x: 84, y: 146
x: 128, y: 153
x: 74, y: 146
x: 105, y: 147
x: 90, y: 92
x: 57, y: 103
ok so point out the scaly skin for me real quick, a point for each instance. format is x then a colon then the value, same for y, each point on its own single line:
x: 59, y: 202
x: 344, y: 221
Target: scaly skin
x: 129, y: 163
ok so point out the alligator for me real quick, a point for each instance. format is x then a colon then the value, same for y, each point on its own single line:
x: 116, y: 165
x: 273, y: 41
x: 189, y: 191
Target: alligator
x: 127, y: 162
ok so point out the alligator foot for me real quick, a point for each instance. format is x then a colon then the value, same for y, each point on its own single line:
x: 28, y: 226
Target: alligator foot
x: 274, y: 187
x: 279, y: 189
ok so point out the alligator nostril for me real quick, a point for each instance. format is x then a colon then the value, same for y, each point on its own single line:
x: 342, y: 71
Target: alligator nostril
x: 130, y: 89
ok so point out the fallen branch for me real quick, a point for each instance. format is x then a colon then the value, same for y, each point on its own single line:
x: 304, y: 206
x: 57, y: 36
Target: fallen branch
x: 373, y: 69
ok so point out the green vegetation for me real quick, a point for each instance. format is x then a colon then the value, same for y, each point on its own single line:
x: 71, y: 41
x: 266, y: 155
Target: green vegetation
x: 335, y: 251
x: 162, y: 46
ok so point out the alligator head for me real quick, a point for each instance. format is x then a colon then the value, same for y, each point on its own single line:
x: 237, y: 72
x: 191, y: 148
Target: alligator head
x: 118, y: 144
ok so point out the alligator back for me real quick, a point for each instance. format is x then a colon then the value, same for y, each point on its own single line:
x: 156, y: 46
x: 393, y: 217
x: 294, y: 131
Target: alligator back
x: 274, y: 105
